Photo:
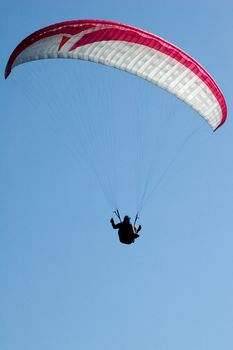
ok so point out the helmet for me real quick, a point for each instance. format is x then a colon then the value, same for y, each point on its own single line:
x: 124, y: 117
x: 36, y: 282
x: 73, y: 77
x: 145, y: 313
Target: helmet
x: 127, y: 218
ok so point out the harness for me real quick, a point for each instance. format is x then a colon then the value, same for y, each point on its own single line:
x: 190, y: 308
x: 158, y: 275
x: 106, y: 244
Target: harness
x: 117, y: 213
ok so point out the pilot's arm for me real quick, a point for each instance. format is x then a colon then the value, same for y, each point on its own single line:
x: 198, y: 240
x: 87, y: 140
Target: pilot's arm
x: 115, y: 226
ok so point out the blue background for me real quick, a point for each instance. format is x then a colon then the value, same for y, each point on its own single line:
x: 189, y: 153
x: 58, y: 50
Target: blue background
x: 66, y: 282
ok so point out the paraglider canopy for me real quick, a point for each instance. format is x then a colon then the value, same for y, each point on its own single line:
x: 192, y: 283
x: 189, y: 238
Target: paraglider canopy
x: 132, y: 50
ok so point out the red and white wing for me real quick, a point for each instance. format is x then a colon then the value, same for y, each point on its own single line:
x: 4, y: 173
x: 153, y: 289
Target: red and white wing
x: 132, y: 50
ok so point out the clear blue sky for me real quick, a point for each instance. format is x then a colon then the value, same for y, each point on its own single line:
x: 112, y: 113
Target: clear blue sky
x: 66, y: 281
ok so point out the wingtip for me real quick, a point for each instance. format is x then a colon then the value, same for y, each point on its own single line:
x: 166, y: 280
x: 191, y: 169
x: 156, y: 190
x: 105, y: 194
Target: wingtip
x: 7, y: 72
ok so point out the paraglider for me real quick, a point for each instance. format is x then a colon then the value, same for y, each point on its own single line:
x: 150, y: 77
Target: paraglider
x: 132, y: 50
x: 127, y: 232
